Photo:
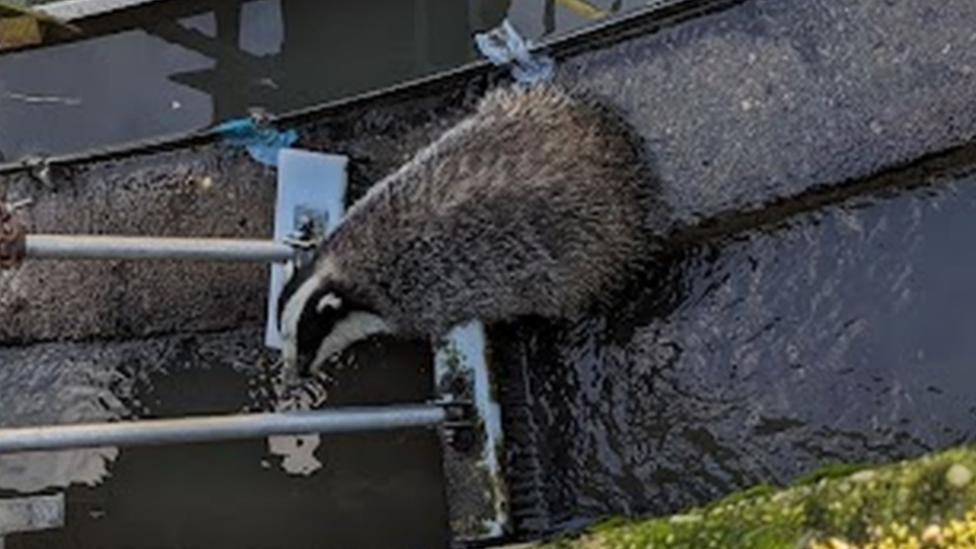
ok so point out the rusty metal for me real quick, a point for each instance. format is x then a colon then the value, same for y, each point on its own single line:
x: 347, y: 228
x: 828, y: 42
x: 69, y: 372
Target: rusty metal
x: 13, y: 235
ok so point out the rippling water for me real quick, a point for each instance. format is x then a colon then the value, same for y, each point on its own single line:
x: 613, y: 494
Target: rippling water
x: 842, y: 335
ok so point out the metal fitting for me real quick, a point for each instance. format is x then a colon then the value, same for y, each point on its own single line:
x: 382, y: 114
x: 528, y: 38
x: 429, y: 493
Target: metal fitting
x: 459, y: 424
x: 40, y: 170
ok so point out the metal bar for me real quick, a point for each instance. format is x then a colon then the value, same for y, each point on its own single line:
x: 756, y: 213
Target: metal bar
x: 216, y: 428
x: 463, y: 356
x: 132, y: 247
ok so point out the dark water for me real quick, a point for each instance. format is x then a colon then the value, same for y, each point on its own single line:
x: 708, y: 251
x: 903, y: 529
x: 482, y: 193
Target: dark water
x: 166, y: 76
x: 846, y: 335
x: 363, y: 490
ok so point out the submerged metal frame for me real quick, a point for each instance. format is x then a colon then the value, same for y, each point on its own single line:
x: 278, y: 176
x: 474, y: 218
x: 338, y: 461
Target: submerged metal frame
x: 461, y: 355
x: 461, y: 360
x: 462, y: 379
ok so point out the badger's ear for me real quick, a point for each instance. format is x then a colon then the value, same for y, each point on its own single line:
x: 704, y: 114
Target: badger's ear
x: 328, y: 301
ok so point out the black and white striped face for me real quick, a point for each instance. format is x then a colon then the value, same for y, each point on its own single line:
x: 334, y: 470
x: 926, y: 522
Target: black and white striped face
x: 318, y: 319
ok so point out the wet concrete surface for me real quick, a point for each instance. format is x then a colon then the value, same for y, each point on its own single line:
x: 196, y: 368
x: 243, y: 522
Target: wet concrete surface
x: 773, y: 97
x: 839, y: 336
x: 747, y: 359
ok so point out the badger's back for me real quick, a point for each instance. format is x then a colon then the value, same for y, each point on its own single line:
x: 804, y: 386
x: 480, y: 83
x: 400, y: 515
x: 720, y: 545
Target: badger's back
x: 536, y: 204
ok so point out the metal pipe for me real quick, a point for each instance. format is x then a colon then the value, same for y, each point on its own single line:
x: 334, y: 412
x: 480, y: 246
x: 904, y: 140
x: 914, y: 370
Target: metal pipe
x: 45, y: 246
x: 215, y: 428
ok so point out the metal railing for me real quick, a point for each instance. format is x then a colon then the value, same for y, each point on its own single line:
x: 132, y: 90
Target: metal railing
x: 300, y: 213
x: 228, y: 427
x: 39, y: 246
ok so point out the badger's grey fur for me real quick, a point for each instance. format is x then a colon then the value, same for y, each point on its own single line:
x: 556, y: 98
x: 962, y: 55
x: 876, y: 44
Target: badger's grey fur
x: 537, y: 204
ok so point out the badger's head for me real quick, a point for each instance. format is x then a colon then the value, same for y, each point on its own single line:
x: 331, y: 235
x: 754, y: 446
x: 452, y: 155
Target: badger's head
x: 319, y: 316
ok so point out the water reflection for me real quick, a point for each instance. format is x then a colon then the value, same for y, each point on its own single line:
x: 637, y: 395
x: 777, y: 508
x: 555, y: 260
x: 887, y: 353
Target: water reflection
x: 179, y: 69
x: 231, y: 494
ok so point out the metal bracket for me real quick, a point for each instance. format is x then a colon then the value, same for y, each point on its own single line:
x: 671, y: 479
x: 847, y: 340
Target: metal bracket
x: 503, y: 46
x: 459, y: 424
x: 309, y: 203
x: 310, y: 231
x: 473, y: 461
x: 39, y: 169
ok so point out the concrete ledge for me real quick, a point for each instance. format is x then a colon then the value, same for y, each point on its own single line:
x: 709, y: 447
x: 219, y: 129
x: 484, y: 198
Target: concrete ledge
x: 771, y: 98
x: 193, y: 193
x: 758, y: 102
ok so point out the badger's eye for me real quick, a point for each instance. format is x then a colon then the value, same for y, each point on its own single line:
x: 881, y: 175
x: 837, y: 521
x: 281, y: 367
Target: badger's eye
x: 318, y: 319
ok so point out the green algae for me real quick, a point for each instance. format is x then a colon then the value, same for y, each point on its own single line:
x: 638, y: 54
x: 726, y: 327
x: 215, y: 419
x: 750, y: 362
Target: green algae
x: 899, y: 505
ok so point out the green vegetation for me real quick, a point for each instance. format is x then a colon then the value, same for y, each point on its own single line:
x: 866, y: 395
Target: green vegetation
x: 929, y: 502
x: 22, y: 26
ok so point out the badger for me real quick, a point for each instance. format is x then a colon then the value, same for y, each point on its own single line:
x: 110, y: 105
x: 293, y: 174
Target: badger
x: 537, y: 204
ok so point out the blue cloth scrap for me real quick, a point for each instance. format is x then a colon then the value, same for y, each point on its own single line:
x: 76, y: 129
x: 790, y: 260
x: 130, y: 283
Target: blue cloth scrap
x: 503, y: 45
x: 262, y: 143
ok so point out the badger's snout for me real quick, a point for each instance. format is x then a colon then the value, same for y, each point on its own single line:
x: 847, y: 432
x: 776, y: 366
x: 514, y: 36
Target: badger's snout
x: 303, y: 365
